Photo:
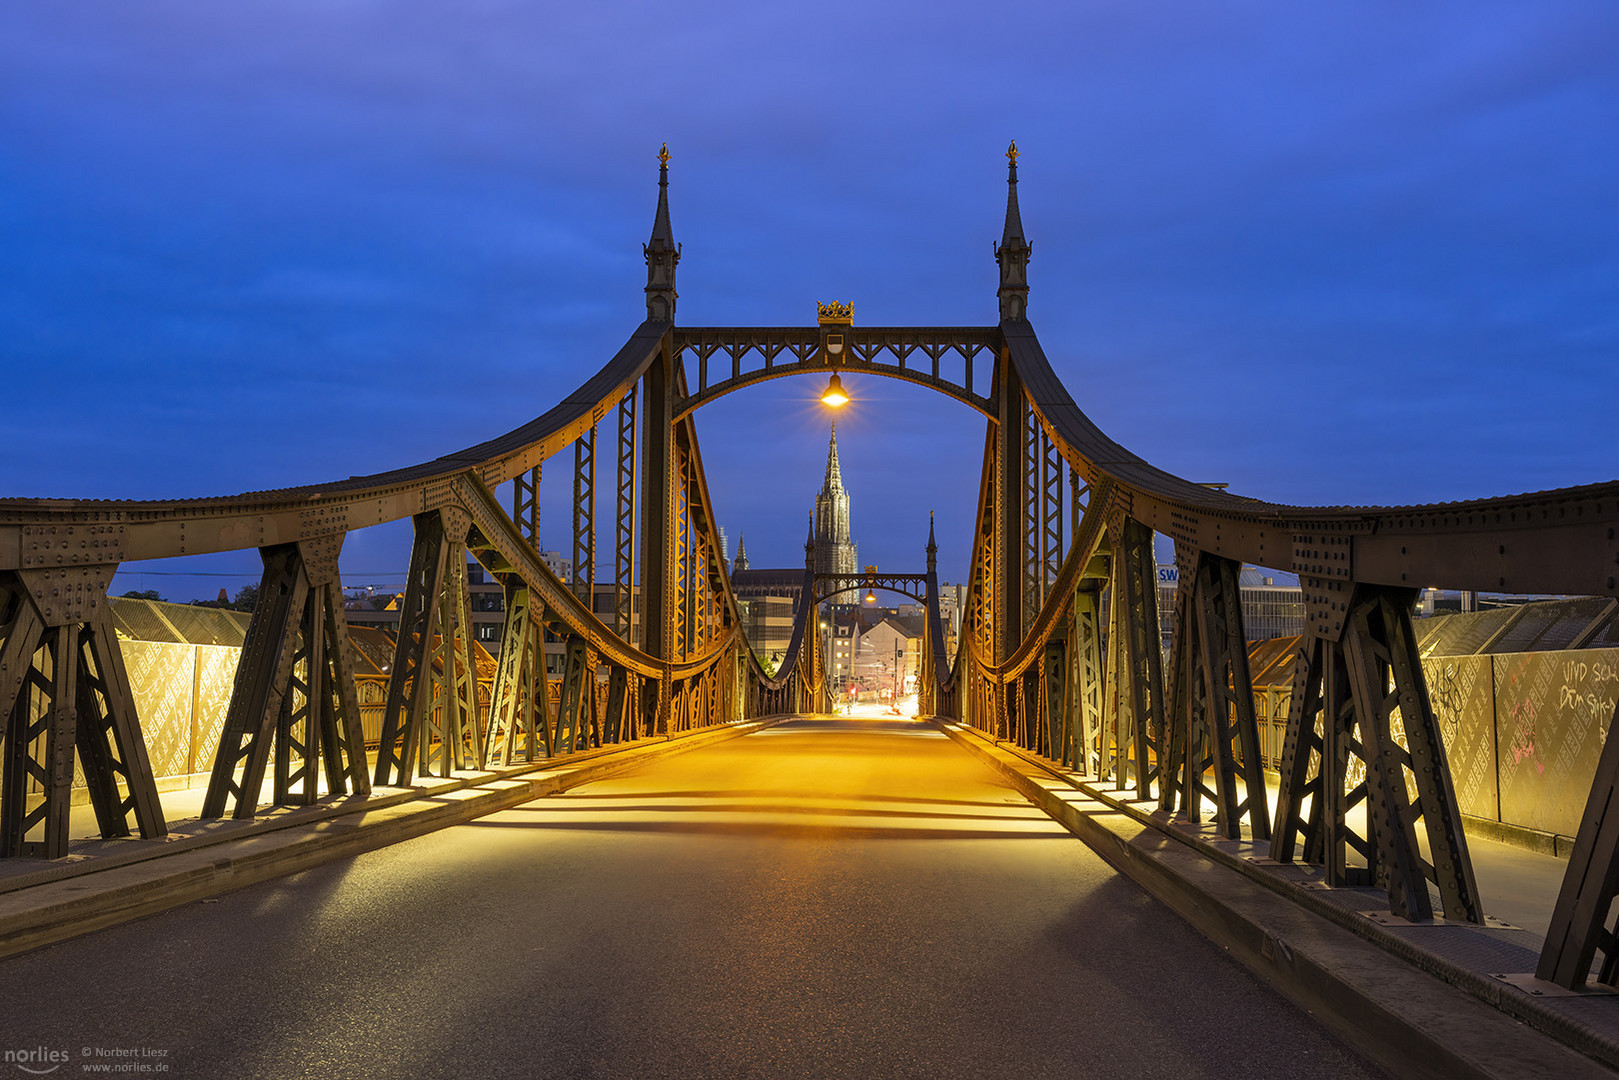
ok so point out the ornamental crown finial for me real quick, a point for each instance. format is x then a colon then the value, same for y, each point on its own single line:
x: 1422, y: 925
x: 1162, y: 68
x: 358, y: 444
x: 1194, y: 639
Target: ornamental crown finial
x: 1012, y: 152
x: 663, y: 156
x: 835, y: 312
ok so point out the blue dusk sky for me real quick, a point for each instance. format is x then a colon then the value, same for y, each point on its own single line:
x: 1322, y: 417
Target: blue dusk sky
x: 1332, y: 254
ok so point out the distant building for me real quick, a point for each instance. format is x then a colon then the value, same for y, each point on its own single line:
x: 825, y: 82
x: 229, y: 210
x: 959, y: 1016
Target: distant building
x: 862, y: 640
x: 890, y: 649
x: 835, y: 552
x: 769, y: 601
x: 1270, y: 609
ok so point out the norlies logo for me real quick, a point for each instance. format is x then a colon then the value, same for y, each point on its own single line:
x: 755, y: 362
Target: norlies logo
x: 39, y: 1061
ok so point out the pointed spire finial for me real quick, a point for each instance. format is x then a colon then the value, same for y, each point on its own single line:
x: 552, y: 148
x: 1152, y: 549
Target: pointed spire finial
x: 662, y: 253
x: 834, y: 470
x: 933, y: 546
x: 1013, y: 251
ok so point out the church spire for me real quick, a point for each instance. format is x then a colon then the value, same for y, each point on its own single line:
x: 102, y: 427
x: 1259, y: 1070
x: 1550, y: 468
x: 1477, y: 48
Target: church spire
x: 662, y: 253
x: 1013, y: 251
x: 933, y: 546
x: 835, y: 551
x: 834, y: 472
x: 741, y: 562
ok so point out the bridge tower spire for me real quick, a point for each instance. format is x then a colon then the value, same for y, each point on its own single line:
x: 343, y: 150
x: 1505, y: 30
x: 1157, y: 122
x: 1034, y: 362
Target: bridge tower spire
x: 662, y: 253
x: 1013, y: 251
x: 933, y: 546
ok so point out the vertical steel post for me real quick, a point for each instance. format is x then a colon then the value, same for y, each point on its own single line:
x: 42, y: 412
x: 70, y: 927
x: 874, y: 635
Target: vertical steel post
x: 658, y: 481
x: 584, y: 518
x: 1007, y: 552
x: 526, y: 506
x: 624, y: 520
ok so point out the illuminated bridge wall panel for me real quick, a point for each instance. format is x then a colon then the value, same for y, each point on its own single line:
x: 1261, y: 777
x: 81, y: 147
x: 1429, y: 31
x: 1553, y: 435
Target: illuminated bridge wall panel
x: 1552, y: 711
x: 1522, y: 731
x: 181, y: 693
x: 1462, y: 691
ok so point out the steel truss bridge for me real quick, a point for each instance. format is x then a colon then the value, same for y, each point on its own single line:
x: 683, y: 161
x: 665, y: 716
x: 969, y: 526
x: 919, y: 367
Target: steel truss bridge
x: 1059, y: 649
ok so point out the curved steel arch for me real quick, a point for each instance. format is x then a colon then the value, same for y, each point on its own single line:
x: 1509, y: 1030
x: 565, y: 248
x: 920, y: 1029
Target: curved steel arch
x: 893, y: 583
x: 918, y: 597
x: 864, y: 348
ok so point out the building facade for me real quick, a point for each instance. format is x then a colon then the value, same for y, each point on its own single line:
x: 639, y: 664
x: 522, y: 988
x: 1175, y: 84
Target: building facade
x: 1270, y: 609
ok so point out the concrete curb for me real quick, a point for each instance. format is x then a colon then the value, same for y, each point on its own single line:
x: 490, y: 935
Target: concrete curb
x: 63, y: 907
x: 1405, y: 1019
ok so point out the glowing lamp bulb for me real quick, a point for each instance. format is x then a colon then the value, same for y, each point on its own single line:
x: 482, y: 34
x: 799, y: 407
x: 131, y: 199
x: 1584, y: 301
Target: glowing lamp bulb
x: 871, y: 597
x: 834, y: 395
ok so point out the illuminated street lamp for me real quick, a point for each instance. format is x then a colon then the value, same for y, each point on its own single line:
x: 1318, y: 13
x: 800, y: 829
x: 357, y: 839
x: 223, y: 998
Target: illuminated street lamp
x: 833, y: 319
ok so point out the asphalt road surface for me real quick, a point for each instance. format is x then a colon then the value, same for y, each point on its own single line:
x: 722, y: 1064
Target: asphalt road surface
x: 822, y: 899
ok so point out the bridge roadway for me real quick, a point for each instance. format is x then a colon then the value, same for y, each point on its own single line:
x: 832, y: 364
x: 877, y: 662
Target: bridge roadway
x: 827, y: 898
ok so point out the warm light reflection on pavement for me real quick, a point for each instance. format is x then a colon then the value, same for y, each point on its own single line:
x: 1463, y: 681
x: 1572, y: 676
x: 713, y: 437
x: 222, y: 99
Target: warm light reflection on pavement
x: 835, y: 781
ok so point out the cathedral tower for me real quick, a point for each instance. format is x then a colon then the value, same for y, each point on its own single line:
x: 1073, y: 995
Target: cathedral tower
x: 834, y: 551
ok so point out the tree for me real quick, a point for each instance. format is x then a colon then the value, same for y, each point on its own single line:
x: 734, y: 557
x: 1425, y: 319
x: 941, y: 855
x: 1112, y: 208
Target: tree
x: 247, y: 598
x: 142, y: 594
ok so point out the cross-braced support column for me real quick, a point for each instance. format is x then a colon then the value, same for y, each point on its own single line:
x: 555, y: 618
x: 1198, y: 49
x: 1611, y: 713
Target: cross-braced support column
x: 1213, y: 725
x: 1088, y: 684
x: 294, y: 690
x: 624, y: 519
x: 1051, y: 551
x: 576, y: 708
x: 1355, y: 675
x: 684, y: 558
x: 1057, y: 737
x: 1137, y: 696
x: 584, y: 518
x: 432, y: 707
x: 1031, y: 497
x: 526, y: 505
x: 63, y: 687
x: 519, y: 725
